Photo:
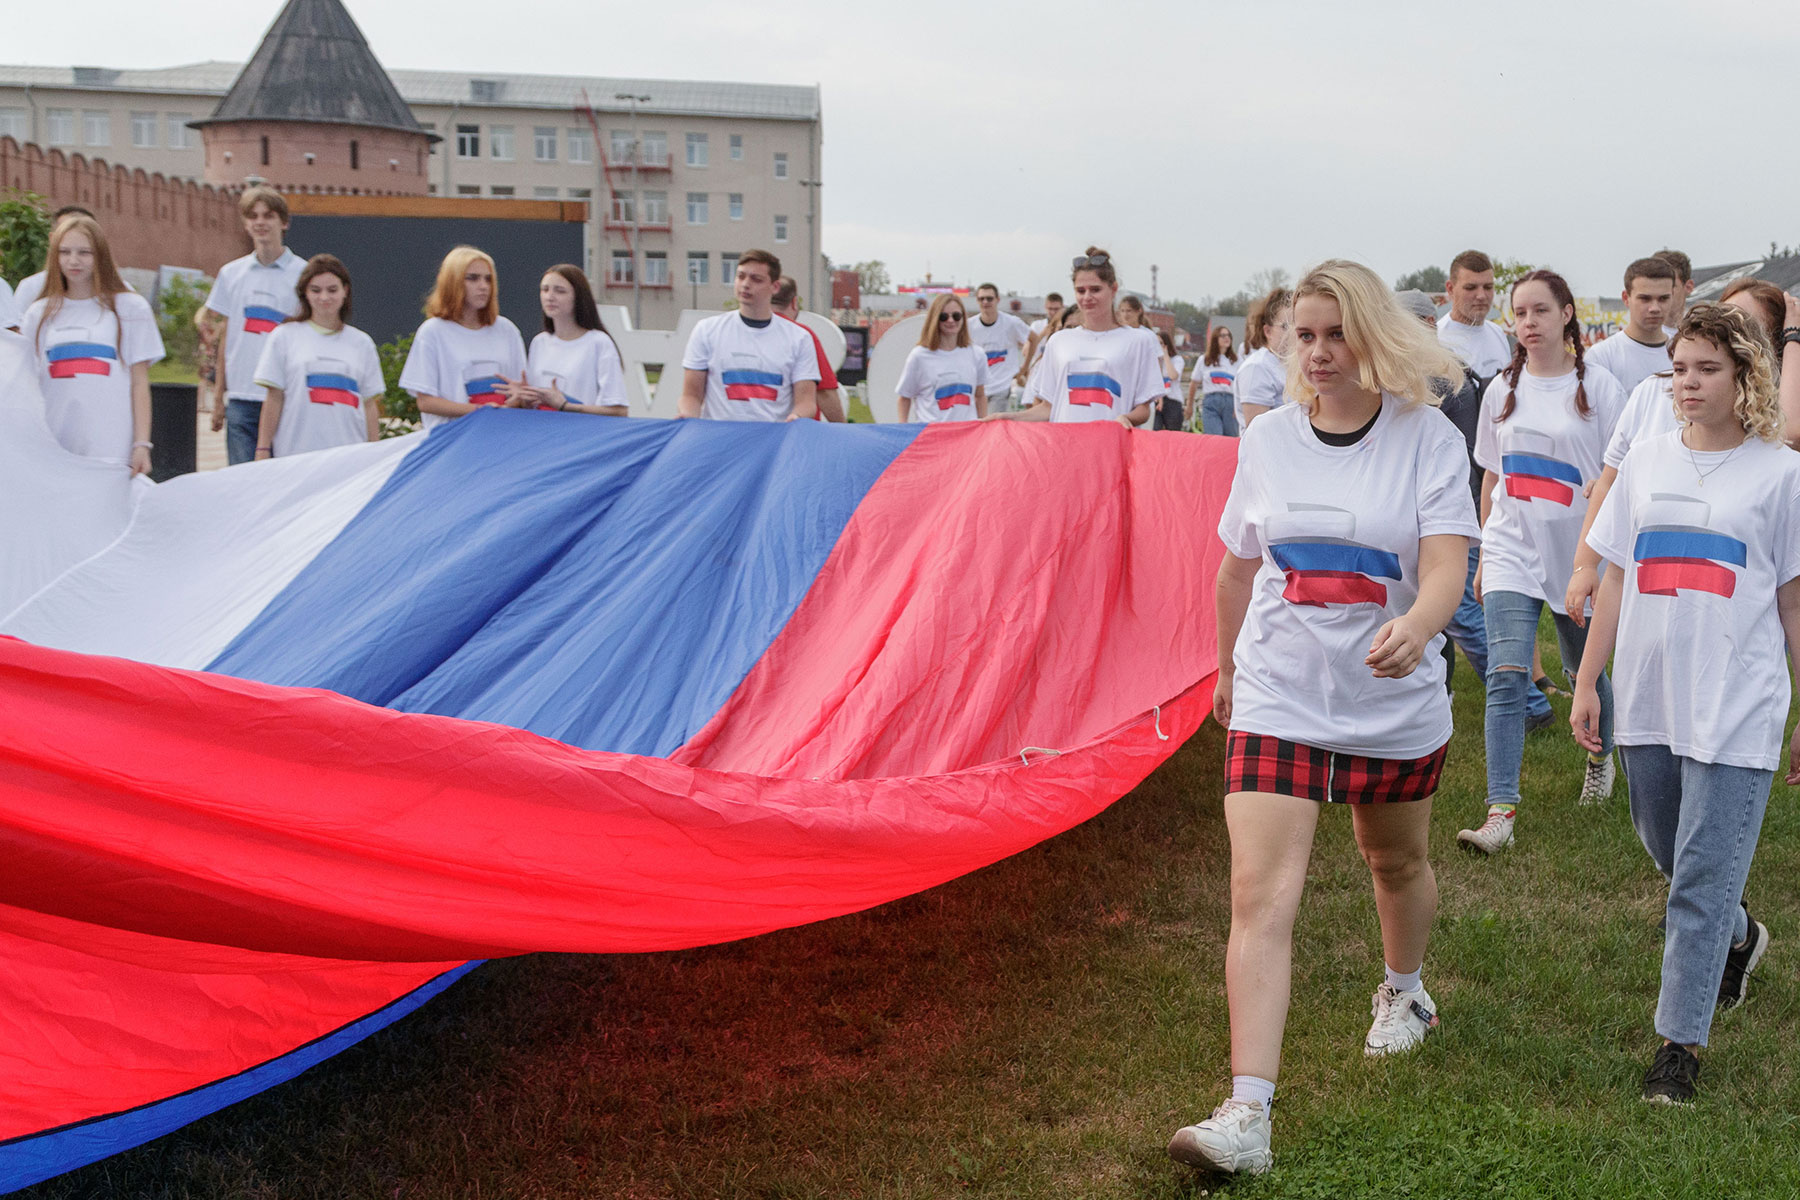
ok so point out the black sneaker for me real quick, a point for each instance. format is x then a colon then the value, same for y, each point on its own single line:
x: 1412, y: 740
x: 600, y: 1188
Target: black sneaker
x: 1740, y: 962
x: 1541, y: 721
x: 1672, y: 1076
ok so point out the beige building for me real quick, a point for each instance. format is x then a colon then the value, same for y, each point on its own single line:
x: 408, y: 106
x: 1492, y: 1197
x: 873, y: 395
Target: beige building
x: 718, y: 168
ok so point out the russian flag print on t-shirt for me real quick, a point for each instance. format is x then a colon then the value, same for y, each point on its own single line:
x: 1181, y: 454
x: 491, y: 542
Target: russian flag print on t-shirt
x: 483, y: 383
x: 744, y: 383
x: 952, y: 391
x: 1675, y: 551
x: 262, y: 314
x: 1532, y: 473
x: 1218, y: 378
x: 1313, y: 546
x: 73, y: 352
x: 1090, y: 384
x: 329, y: 381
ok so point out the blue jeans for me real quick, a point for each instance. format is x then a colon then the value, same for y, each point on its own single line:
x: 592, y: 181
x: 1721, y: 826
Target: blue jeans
x: 1217, y: 414
x: 1700, y: 822
x: 1512, y: 621
x: 1469, y: 631
x: 242, y: 417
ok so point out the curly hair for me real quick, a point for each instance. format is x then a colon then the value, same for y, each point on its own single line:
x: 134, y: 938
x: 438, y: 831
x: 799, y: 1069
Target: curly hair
x: 1758, y: 406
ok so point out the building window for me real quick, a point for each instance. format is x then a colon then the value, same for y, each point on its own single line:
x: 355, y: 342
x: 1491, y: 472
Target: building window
x: 431, y: 189
x: 500, y: 142
x: 96, y: 128
x: 180, y: 136
x: 696, y: 149
x: 781, y: 228
x: 656, y: 268
x: 581, y: 193
x: 543, y: 193
x: 623, y: 203
x: 620, y: 271
x: 265, y: 150
x: 543, y: 143
x: 656, y: 208
x: 737, y: 147
x: 736, y: 200
x: 697, y: 204
x: 656, y: 150
x: 468, y: 141
x: 699, y: 266
x: 621, y: 147
x: 59, y: 126
x: 15, y: 123
x: 727, y: 268
x: 486, y: 91
x: 355, y: 156
x: 501, y: 189
x: 780, y: 165
x: 581, y: 145
x: 143, y: 130
x: 468, y: 189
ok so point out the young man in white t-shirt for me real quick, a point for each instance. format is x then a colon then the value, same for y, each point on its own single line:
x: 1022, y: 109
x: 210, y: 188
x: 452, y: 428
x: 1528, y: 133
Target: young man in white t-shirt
x: 1684, y: 287
x: 1640, y: 350
x: 251, y: 296
x: 1480, y: 343
x: 749, y: 365
x: 1003, y: 338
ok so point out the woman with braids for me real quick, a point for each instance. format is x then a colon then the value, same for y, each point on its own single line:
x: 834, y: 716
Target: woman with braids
x: 1703, y: 532
x: 1347, y: 539
x: 1545, y: 421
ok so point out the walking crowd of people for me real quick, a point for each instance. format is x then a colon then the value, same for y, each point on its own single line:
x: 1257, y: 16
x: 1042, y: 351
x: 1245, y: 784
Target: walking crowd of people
x: 1403, y: 484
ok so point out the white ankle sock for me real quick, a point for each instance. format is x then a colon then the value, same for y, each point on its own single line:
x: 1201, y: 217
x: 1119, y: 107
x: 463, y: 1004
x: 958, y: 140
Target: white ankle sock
x: 1253, y: 1087
x: 1403, y: 983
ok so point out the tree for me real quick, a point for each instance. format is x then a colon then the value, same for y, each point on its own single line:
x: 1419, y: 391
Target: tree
x: 872, y: 277
x: 24, y: 233
x: 1266, y: 281
x: 1425, y: 279
x: 1190, y: 317
x: 1507, y: 272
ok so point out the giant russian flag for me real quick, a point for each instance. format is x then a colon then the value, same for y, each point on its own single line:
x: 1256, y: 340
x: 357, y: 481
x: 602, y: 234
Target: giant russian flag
x: 287, y: 746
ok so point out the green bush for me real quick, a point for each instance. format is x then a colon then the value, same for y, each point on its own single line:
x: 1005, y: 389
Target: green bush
x: 176, y: 305
x: 399, y: 411
x: 24, y: 233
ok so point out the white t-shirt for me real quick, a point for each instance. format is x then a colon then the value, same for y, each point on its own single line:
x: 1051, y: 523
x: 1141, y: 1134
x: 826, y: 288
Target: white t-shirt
x: 11, y: 315
x: 587, y: 369
x: 1483, y: 348
x: 254, y: 299
x: 1002, y: 342
x: 1172, y: 386
x: 84, y: 369
x: 1219, y: 378
x: 325, y: 378
x: 1261, y: 379
x: 1701, y: 662
x: 750, y: 371
x: 30, y: 288
x: 1629, y: 360
x: 941, y: 383
x: 1090, y: 376
x: 471, y: 366
x: 1338, y: 530
x: 1649, y: 413
x: 1039, y: 325
x: 1545, y: 454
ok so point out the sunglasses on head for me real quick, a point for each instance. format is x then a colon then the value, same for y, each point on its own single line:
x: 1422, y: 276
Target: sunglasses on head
x: 945, y: 318
x: 1083, y: 261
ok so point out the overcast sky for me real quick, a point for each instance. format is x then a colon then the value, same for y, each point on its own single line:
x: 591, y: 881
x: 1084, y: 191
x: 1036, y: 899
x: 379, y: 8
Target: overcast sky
x: 995, y: 140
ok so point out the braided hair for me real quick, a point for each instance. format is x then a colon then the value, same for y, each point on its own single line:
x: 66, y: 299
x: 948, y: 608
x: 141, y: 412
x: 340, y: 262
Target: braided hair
x: 1559, y: 291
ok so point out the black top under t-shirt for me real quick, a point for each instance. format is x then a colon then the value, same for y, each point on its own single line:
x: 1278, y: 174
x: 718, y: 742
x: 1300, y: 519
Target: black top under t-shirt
x: 762, y: 324
x: 1345, y: 439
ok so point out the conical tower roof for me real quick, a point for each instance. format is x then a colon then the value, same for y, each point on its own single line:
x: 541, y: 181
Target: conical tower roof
x: 314, y: 66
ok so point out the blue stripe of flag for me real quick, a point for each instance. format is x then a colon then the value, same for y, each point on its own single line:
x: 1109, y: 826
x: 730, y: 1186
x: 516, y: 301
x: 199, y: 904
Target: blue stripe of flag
x: 1546, y: 468
x: 766, y: 378
x: 1689, y: 543
x: 1336, y: 556
x: 1095, y: 381
x: 67, y: 350
x: 343, y: 382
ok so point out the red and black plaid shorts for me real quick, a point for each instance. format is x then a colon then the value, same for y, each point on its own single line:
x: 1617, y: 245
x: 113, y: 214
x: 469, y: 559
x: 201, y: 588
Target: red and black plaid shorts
x: 1257, y: 763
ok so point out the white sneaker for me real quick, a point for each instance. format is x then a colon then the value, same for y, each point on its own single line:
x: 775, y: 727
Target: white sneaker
x: 1402, y: 1019
x: 1597, y: 781
x: 1494, y: 835
x: 1235, y: 1138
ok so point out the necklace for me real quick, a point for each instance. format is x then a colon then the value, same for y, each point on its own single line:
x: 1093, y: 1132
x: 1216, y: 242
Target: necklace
x: 1699, y: 474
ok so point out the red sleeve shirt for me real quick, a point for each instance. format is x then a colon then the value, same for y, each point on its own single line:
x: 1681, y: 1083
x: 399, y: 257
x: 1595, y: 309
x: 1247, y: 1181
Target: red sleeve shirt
x: 828, y: 379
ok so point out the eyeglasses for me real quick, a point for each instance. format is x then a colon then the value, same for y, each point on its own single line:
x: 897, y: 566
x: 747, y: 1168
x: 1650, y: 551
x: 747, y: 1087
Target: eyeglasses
x: 1083, y: 261
x: 949, y: 318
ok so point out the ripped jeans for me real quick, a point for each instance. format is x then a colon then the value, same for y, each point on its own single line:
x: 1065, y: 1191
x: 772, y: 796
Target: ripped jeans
x: 1512, y: 621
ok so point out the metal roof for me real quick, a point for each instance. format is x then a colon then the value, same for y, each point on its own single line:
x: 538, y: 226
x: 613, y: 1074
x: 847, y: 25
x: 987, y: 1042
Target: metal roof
x: 314, y: 65
x: 668, y: 97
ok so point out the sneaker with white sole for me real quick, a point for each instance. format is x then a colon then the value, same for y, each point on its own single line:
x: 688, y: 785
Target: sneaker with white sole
x: 1402, y: 1019
x: 1739, y: 962
x: 1494, y: 834
x: 1597, y: 781
x: 1235, y: 1139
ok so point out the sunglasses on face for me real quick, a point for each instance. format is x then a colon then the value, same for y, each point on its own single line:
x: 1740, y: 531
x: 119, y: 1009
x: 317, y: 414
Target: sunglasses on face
x: 1083, y: 261
x: 949, y: 318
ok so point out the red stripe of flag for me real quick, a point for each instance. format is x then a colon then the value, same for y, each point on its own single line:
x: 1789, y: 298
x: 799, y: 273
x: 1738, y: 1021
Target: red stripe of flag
x: 258, y: 325
x: 320, y: 395
x: 68, y: 368
x: 1663, y: 576
x: 750, y: 391
x: 1320, y: 588
x: 1098, y: 396
x: 1536, y: 487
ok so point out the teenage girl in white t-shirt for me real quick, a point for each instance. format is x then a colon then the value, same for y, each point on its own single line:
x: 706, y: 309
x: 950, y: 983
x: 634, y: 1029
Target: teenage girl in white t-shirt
x: 573, y: 365
x: 943, y: 376
x: 1261, y: 378
x: 1347, y: 535
x: 321, y: 376
x: 1703, y: 532
x: 1215, y: 377
x: 466, y: 355
x: 1541, y: 439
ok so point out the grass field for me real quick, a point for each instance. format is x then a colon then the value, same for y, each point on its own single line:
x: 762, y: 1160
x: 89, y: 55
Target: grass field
x: 1038, y: 1029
